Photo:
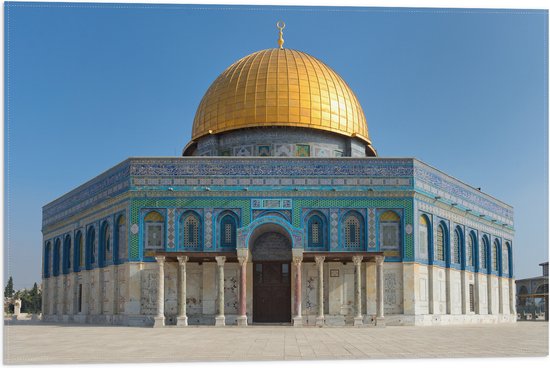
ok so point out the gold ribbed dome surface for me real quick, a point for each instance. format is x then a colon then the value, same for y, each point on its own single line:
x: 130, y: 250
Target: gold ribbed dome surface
x: 280, y: 87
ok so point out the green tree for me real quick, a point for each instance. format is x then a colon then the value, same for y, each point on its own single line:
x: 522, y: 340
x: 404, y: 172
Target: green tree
x: 8, y: 291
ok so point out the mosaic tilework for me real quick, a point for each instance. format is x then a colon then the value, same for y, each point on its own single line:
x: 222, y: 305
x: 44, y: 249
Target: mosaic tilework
x: 450, y: 186
x: 208, y: 228
x: 171, y: 236
x: 333, y: 228
x: 371, y: 221
x: 136, y: 204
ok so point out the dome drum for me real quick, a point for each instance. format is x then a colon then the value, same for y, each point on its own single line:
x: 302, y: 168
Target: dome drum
x: 277, y: 141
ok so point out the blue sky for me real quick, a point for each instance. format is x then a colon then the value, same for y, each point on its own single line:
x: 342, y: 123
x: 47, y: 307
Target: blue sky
x: 88, y: 86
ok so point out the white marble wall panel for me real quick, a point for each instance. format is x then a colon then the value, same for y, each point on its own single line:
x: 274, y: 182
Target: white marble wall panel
x: 393, y: 288
x: 149, y: 290
x: 231, y: 288
x: 439, y: 290
x: 194, y: 289
x: 210, y: 287
x: 456, y: 292
x: 171, y: 288
x: 309, y: 289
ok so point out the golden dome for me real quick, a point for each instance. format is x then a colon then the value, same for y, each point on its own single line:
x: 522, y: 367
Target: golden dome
x: 280, y: 87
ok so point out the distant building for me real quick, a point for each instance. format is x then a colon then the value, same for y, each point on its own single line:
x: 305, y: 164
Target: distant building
x: 311, y: 228
x: 532, y: 294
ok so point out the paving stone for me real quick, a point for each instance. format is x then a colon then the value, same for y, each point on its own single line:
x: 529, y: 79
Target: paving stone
x: 55, y: 344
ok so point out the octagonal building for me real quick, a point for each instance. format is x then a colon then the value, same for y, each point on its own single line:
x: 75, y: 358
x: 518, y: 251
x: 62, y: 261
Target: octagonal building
x: 279, y: 211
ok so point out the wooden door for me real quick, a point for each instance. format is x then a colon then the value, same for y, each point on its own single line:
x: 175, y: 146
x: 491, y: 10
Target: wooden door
x: 271, y: 298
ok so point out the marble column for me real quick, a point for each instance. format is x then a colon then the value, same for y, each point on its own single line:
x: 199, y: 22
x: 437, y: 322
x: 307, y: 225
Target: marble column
x: 358, y: 320
x: 242, y: 319
x: 182, y: 291
x: 297, y: 319
x: 220, y: 318
x: 380, y: 321
x: 159, y: 319
x: 320, y: 320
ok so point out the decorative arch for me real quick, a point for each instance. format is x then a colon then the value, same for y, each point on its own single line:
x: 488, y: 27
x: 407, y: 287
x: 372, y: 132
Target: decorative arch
x: 243, y: 234
x: 79, y: 252
x: 471, y: 246
x: 47, y: 258
x: 316, y: 231
x: 484, y: 253
x: 56, y: 256
x: 91, y: 251
x: 227, y: 229
x: 105, y: 244
x: 509, y: 259
x: 457, y: 246
x: 120, y: 239
x: 67, y: 252
x: 389, y: 225
x: 154, y: 230
x: 190, y: 231
x: 424, y: 236
x: 495, y: 256
x: 353, y: 231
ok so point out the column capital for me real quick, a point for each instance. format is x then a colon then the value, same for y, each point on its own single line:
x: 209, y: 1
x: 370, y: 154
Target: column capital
x: 379, y: 260
x: 297, y: 260
x: 242, y: 259
x: 357, y: 260
x: 182, y: 259
x: 160, y: 259
x: 220, y: 260
x: 319, y: 260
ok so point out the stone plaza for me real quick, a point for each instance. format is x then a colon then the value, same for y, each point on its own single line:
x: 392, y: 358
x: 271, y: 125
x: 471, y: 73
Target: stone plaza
x: 60, y: 343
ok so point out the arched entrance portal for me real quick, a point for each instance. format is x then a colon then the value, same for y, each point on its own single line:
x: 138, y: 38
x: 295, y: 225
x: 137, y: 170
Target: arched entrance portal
x: 271, y: 251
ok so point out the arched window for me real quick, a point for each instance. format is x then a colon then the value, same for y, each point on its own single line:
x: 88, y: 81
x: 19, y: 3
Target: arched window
x: 389, y: 231
x: 505, y: 258
x: 79, y: 244
x: 122, y: 244
x: 228, y: 231
x: 316, y: 231
x: 90, y: 248
x: 470, y: 250
x: 440, y: 244
x: 483, y: 256
x: 106, y: 246
x: 154, y: 230
x: 56, y: 257
x: 457, y: 243
x: 494, y: 256
x: 67, y: 254
x: 353, y: 231
x: 47, y: 259
x: 423, y: 236
x: 190, y: 230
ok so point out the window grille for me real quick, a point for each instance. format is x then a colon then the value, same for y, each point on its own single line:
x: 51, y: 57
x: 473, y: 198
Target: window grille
x: 483, y: 261
x: 191, y: 231
x: 469, y: 251
x: 456, y: 247
x: 352, y: 231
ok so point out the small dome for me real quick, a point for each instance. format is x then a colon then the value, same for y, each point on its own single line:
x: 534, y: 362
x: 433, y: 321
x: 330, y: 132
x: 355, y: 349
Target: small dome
x: 280, y: 87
